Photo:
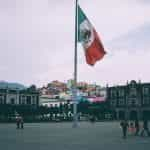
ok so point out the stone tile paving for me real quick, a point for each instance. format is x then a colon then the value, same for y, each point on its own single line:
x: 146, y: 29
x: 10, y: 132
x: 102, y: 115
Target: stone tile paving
x: 61, y: 136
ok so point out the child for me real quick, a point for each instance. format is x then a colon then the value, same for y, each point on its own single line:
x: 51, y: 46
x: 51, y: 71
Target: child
x: 131, y: 128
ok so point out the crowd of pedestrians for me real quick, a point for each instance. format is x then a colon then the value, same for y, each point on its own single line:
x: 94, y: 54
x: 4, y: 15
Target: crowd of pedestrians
x: 135, y: 128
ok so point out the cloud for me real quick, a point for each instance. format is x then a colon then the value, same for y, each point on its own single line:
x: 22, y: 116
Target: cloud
x: 145, y: 2
x: 135, y: 40
x: 37, y: 40
x: 118, y: 69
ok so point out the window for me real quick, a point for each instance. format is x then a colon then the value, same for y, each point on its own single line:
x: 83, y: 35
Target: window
x: 121, y: 93
x: 145, y: 91
x: 12, y: 101
x: 132, y: 101
x: 1, y: 99
x: 113, y: 102
x: 28, y: 100
x: 146, y: 101
x: 121, y: 102
x: 113, y: 93
x: 129, y: 102
x: 133, y: 92
x: 23, y: 100
x: 34, y: 100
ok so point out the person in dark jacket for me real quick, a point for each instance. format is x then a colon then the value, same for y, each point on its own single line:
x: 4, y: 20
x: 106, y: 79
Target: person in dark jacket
x: 145, y: 128
x: 92, y: 119
x: 17, y: 122
x: 22, y: 123
x: 124, y: 125
x: 137, y: 127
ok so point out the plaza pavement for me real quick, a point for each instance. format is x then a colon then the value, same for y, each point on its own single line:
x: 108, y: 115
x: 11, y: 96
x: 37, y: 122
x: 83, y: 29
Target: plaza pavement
x: 61, y: 136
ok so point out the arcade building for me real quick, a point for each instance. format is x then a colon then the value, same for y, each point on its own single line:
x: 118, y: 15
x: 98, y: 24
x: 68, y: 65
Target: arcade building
x: 18, y: 97
x: 130, y: 101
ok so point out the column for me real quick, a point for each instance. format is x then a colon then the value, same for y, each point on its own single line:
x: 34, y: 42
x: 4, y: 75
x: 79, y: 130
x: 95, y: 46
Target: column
x: 17, y: 97
x: 117, y: 114
x: 7, y: 97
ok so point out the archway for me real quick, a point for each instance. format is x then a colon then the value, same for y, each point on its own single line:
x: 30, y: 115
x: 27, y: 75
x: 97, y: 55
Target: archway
x: 146, y: 114
x: 121, y: 115
x: 133, y: 115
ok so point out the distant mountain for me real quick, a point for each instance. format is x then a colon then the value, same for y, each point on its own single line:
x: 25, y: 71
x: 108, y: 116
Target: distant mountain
x: 137, y: 39
x: 4, y: 84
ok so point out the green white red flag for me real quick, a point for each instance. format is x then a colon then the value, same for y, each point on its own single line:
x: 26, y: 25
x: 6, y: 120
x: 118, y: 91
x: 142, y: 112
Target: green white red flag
x: 89, y: 38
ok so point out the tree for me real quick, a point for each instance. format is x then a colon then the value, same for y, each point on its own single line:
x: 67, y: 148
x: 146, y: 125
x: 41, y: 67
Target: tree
x: 83, y: 107
x: 32, y: 88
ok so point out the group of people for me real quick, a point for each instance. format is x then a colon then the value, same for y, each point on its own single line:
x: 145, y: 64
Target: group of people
x: 19, y: 122
x: 135, y: 128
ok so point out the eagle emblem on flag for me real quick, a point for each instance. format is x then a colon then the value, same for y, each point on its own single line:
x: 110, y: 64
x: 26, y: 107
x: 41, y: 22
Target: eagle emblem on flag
x: 85, y: 35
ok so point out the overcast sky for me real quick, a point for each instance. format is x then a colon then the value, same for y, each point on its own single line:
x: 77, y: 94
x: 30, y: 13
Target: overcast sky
x: 37, y: 41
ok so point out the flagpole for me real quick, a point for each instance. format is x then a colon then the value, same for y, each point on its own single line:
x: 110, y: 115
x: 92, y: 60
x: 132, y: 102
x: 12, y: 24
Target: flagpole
x: 75, y: 118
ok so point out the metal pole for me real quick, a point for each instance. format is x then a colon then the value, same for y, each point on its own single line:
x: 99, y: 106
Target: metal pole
x: 75, y: 119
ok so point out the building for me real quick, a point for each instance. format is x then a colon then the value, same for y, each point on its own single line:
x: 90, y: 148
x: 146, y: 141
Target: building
x: 53, y: 88
x: 130, y: 101
x: 14, y: 96
x: 62, y: 106
x: 49, y: 101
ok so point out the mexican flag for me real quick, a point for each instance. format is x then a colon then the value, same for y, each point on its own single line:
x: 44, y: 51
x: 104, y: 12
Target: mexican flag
x: 89, y: 39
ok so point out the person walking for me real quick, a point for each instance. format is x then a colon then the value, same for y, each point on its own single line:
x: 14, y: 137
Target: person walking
x: 131, y: 128
x: 137, y: 127
x: 17, y: 122
x: 22, y: 123
x: 145, y: 128
x: 124, y: 125
x: 92, y: 119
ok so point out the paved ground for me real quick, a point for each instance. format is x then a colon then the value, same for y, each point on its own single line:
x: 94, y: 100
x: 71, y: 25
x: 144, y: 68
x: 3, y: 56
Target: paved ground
x: 61, y: 136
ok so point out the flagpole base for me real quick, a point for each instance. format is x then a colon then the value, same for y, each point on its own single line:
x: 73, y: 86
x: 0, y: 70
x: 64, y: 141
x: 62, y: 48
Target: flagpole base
x: 75, y: 121
x: 75, y: 124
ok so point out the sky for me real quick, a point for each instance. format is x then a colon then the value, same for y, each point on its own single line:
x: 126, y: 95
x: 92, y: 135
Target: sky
x: 37, y: 41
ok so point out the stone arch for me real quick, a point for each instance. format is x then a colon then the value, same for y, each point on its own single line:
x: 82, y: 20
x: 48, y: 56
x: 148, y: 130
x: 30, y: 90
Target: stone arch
x: 146, y: 114
x: 133, y: 115
x: 133, y: 83
x: 121, y: 115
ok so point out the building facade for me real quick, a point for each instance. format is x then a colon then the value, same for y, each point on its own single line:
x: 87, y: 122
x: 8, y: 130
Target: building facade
x: 48, y: 101
x: 19, y: 97
x: 130, y: 101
